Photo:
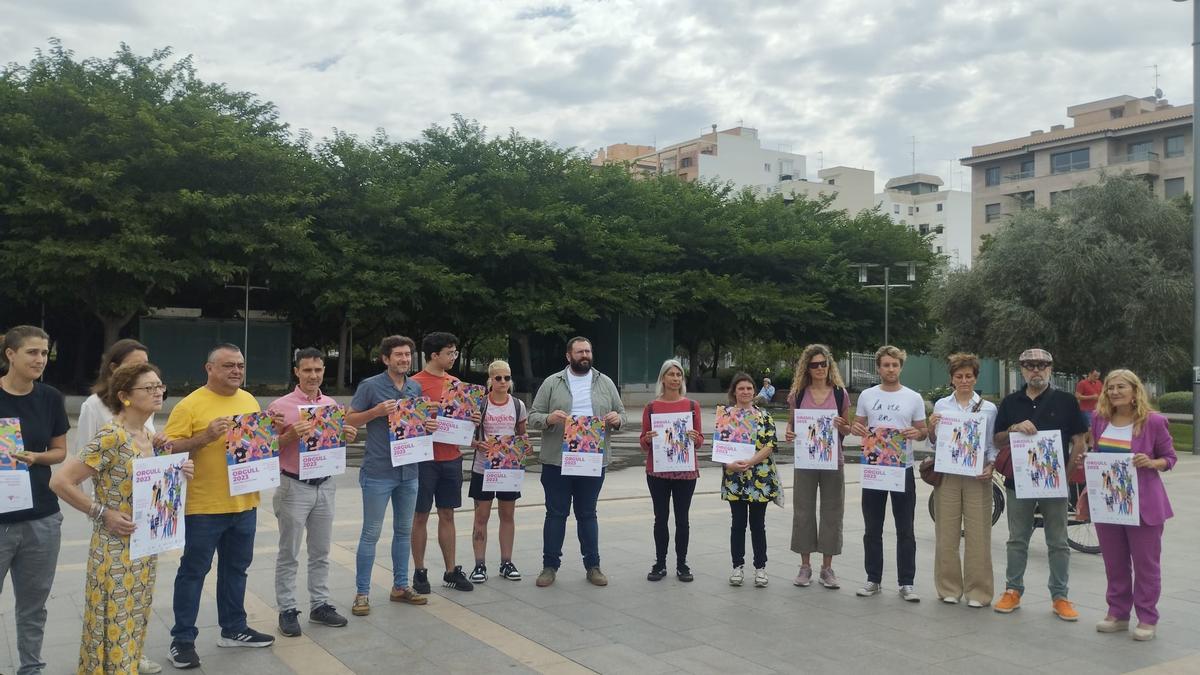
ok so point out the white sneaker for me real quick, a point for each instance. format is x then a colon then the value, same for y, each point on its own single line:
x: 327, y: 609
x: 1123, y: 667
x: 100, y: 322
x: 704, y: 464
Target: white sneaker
x: 760, y: 578
x: 868, y: 589
x: 974, y: 603
x: 737, y: 577
x: 145, y: 665
x: 948, y: 600
x: 910, y: 594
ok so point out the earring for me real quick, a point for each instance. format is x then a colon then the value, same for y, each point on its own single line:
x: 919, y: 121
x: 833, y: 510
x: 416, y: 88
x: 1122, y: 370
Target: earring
x: 126, y: 403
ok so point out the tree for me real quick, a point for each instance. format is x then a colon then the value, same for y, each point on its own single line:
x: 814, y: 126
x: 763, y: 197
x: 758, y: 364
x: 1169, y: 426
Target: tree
x: 1102, y: 280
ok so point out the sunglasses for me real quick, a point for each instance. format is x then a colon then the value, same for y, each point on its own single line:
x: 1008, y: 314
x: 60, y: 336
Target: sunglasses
x: 813, y: 365
x: 1036, y: 365
x: 502, y: 378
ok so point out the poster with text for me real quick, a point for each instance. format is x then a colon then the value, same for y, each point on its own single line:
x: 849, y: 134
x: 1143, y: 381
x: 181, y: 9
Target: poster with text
x: 323, y: 451
x: 1038, y: 467
x: 409, y: 440
x: 961, y: 446
x: 816, y: 439
x: 16, y: 492
x: 159, y: 495
x: 734, y: 434
x: 504, y: 463
x: 459, y: 403
x: 252, y: 454
x: 886, y: 458
x: 583, y: 446
x: 672, y: 448
x: 1112, y: 487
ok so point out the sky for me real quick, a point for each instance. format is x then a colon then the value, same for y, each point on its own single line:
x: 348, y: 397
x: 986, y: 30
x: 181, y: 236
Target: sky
x: 844, y: 82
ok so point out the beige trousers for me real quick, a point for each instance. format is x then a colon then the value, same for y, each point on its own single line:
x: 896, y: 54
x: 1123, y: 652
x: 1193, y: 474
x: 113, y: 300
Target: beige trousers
x: 963, y: 504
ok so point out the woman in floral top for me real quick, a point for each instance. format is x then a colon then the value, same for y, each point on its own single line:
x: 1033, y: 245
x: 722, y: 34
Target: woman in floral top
x: 749, y: 486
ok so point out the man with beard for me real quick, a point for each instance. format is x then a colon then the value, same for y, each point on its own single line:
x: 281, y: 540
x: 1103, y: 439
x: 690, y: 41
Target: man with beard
x: 1037, y: 407
x: 576, y: 390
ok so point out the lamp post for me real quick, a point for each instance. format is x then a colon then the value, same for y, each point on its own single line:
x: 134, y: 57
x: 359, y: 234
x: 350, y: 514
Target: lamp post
x: 246, y: 321
x: 910, y: 268
x: 1195, y: 231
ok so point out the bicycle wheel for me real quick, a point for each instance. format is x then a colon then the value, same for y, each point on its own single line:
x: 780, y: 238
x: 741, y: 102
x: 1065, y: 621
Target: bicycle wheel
x: 997, y: 502
x: 1081, y: 533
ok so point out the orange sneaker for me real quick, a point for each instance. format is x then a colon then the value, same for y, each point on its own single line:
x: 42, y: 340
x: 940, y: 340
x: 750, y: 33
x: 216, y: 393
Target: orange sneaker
x: 1064, y: 610
x: 1011, y: 600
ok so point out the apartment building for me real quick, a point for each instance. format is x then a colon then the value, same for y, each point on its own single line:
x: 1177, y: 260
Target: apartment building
x: 1147, y: 137
x: 852, y: 189
x: 918, y: 201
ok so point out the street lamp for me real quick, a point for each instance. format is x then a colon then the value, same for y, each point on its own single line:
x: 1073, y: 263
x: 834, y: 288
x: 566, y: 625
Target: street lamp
x: 1195, y: 231
x: 246, y: 321
x: 910, y: 269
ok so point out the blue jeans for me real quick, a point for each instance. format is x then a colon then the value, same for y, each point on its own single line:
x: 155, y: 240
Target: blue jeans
x: 376, y: 493
x: 231, y: 537
x: 561, y: 491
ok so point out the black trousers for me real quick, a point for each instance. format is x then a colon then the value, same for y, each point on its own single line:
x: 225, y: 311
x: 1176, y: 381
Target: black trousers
x: 874, y: 509
x: 663, y: 493
x: 755, y: 513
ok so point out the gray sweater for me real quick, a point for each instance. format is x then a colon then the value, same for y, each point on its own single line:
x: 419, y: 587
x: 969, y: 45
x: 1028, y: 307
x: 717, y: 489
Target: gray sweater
x: 555, y: 394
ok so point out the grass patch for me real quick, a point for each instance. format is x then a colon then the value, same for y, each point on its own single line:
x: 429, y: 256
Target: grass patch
x: 1181, y: 434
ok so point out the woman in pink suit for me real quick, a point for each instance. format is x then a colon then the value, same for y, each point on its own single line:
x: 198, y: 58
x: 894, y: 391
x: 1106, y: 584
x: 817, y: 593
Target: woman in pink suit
x: 1124, y: 422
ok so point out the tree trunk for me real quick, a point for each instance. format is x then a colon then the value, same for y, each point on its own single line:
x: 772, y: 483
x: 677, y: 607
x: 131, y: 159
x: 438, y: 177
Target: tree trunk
x: 113, y: 326
x: 716, y: 345
x: 693, y: 350
x: 80, y: 377
x: 526, y: 358
x: 344, y: 353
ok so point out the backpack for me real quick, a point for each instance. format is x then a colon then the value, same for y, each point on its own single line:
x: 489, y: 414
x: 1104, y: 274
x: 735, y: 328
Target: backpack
x: 518, y: 409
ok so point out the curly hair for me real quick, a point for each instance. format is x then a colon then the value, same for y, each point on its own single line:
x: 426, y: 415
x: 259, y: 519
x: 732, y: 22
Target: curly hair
x: 801, y: 378
x: 122, y: 381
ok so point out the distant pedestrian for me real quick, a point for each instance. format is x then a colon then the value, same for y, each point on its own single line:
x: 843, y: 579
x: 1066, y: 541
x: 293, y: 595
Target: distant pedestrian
x: 765, y: 394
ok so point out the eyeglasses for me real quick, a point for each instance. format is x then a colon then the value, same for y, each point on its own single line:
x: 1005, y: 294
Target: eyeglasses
x: 1036, y: 365
x: 502, y: 378
x: 150, y: 388
x: 813, y: 365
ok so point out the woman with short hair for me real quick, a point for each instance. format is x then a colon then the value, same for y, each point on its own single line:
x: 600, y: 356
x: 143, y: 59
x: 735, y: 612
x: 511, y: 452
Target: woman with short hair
x: 749, y: 485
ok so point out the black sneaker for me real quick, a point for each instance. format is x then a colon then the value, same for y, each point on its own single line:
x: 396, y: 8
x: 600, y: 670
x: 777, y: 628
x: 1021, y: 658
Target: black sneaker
x: 457, y: 580
x: 247, y: 637
x: 289, y: 625
x: 509, y: 571
x: 657, y: 572
x: 183, y: 655
x: 327, y: 616
x: 684, y: 572
x: 420, y: 581
x: 479, y: 574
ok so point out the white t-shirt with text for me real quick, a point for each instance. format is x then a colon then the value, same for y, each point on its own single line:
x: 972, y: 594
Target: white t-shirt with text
x: 891, y: 409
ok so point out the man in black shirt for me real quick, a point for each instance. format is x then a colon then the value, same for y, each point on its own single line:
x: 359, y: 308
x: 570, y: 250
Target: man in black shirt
x: 1037, y: 407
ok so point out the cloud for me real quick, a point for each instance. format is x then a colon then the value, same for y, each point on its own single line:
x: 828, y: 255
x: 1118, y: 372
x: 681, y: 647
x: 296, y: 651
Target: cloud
x: 852, y: 80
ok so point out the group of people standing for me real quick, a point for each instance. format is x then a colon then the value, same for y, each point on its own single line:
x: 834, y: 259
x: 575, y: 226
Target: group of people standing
x: 117, y: 425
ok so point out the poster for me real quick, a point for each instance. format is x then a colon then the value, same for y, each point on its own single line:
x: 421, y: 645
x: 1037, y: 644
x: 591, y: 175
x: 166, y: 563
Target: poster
x: 1112, y: 487
x: 459, y: 403
x: 1038, y: 467
x: 252, y: 454
x: 323, y: 451
x: 734, y: 434
x: 159, y: 495
x: 672, y: 448
x: 410, y: 441
x: 504, y: 466
x: 961, y: 446
x: 885, y: 461
x: 16, y: 493
x: 816, y: 439
x: 583, y: 446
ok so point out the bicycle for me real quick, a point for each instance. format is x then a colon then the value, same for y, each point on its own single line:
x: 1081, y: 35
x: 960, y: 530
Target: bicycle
x: 1081, y: 533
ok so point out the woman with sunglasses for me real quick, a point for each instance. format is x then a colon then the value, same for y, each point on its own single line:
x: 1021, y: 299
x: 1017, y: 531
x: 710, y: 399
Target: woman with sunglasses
x: 502, y: 415
x: 817, y: 385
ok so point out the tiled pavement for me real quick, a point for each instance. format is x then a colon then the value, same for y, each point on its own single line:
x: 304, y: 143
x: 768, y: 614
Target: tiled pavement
x: 637, y: 626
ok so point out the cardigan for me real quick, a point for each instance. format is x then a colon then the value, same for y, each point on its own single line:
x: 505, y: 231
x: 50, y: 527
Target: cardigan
x: 1155, y: 441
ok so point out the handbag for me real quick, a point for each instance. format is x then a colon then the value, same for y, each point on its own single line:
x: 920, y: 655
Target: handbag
x: 926, y: 466
x: 1003, y: 462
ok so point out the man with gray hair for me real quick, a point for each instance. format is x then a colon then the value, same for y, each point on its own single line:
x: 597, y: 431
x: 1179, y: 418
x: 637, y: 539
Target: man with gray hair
x: 1037, y: 407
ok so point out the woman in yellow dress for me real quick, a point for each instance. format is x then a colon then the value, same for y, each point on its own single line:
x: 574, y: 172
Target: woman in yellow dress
x: 118, y: 591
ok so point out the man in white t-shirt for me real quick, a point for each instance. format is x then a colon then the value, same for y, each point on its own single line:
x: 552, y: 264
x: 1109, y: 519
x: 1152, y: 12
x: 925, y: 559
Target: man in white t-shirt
x: 890, y: 404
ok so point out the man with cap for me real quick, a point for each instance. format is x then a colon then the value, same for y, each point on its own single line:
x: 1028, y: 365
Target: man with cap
x: 1037, y: 407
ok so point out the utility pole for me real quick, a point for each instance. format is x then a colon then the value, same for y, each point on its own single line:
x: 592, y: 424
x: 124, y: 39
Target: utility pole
x: 246, y: 319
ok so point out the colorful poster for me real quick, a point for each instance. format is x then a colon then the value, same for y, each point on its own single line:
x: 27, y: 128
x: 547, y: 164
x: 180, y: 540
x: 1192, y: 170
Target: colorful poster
x: 961, y: 446
x: 734, y: 434
x: 504, y: 466
x: 159, y: 495
x: 1038, y: 467
x: 583, y: 446
x: 816, y: 439
x: 1112, y: 487
x: 672, y: 449
x: 886, y: 458
x: 323, y: 451
x: 410, y: 442
x: 252, y: 454
x: 459, y: 403
x: 16, y: 492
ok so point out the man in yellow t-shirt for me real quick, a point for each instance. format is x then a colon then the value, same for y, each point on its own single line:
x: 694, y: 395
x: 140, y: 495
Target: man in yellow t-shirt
x: 216, y: 522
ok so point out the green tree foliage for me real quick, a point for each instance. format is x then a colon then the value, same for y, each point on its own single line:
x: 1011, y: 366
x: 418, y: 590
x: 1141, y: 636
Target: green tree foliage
x: 1101, y: 280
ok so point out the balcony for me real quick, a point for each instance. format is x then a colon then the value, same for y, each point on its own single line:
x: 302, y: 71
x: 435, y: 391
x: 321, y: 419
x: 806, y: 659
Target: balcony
x: 1014, y: 177
x: 1138, y: 163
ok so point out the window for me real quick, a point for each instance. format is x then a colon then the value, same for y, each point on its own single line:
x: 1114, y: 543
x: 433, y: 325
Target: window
x: 1139, y: 151
x: 939, y: 229
x: 992, y: 176
x: 939, y: 249
x: 895, y: 208
x: 1174, y: 146
x: 767, y: 167
x: 1056, y: 197
x: 940, y: 207
x: 1026, y: 168
x: 830, y: 181
x: 923, y: 228
x: 1174, y: 187
x: 918, y: 209
x: 910, y: 210
x: 1072, y: 160
x: 685, y: 162
x: 1024, y: 199
x: 991, y: 212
